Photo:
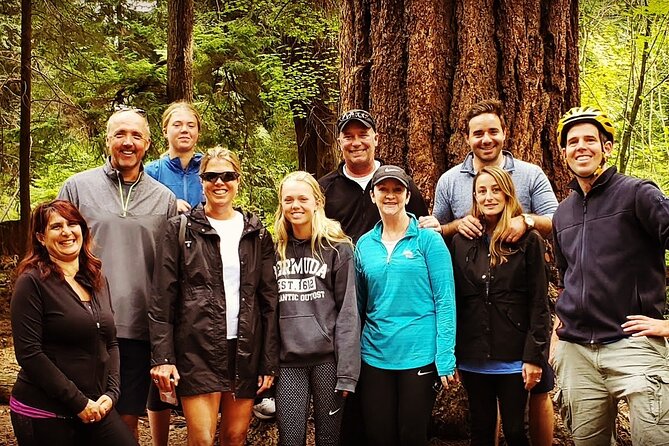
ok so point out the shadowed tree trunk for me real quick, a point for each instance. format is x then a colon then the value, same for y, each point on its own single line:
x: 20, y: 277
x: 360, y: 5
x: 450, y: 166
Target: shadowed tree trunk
x: 315, y: 139
x: 25, y: 142
x: 632, y: 114
x: 419, y: 65
x: 180, y: 50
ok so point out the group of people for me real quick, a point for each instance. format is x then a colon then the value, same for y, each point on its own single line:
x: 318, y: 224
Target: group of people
x: 144, y: 286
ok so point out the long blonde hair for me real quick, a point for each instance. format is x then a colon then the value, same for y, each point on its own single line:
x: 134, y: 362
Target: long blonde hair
x: 499, y: 250
x: 323, y: 230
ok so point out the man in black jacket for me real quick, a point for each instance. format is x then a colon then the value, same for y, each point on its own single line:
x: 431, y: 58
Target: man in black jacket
x: 347, y: 200
x: 347, y: 188
x: 610, y: 237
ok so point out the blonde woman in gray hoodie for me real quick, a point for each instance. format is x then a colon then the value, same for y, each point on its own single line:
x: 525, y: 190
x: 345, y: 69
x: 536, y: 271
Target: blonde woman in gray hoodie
x: 318, y: 315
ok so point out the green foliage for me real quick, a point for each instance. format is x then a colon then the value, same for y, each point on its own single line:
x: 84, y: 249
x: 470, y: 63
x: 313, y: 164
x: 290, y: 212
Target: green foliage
x: 257, y: 65
x: 613, y: 35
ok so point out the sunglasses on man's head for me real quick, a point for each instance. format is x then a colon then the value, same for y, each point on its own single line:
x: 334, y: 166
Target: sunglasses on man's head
x: 224, y: 176
x: 123, y: 107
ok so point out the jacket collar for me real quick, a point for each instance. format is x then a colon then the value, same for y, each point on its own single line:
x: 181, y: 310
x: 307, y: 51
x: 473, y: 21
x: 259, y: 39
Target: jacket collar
x: 198, y: 217
x: 115, y: 175
x: 412, y: 229
x: 340, y: 168
x: 468, y: 163
x: 174, y: 164
x: 599, y: 183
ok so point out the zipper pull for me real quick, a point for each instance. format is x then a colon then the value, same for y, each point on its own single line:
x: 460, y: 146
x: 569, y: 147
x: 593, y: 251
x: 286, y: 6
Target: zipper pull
x: 98, y: 324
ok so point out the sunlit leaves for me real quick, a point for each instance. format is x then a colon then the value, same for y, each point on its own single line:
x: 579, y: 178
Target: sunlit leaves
x: 613, y: 36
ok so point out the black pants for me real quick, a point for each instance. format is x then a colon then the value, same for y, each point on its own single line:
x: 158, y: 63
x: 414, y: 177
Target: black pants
x: 293, y: 388
x: 397, y: 404
x: 352, y: 425
x: 110, y: 431
x: 483, y: 392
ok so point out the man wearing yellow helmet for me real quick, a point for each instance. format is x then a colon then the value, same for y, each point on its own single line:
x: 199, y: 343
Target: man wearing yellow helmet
x: 603, y: 131
x: 610, y: 238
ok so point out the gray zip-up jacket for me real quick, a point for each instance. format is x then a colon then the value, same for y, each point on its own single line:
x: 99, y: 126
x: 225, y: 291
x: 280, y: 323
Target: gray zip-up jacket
x: 318, y: 313
x: 125, y: 228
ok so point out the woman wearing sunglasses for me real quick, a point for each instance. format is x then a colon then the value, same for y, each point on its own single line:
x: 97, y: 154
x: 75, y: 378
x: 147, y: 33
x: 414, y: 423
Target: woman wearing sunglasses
x: 213, y: 317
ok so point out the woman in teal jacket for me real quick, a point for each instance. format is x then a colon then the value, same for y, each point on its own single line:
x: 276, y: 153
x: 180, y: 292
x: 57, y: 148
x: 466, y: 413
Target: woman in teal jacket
x: 406, y: 299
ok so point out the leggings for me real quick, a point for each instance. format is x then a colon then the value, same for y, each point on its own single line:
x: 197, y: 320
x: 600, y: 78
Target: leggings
x: 483, y: 392
x: 294, y: 386
x: 397, y: 404
x: 110, y: 431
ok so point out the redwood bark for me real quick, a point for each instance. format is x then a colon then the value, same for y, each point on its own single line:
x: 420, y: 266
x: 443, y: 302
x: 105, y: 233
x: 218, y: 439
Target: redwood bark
x: 418, y: 65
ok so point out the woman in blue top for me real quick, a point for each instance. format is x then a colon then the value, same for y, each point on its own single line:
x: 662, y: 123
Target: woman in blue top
x: 404, y: 281
x: 179, y: 167
x: 503, y: 318
x: 179, y: 170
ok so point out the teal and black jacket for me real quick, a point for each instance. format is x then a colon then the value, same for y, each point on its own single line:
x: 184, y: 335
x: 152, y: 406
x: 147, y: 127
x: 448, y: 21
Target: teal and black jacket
x: 406, y: 300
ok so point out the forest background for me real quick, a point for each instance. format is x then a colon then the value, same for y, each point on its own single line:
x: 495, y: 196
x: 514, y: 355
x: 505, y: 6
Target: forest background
x: 263, y: 71
x: 270, y: 78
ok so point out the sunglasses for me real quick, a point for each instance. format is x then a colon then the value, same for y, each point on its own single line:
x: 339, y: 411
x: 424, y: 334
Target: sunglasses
x: 123, y: 107
x: 212, y: 177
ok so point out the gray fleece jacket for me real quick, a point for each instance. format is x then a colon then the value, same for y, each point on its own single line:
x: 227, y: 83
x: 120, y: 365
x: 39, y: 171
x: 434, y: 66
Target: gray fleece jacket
x: 125, y: 239
x: 318, y: 313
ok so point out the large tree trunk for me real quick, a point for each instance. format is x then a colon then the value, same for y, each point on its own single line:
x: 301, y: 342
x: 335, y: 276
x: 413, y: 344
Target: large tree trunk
x: 180, y: 50
x: 419, y: 65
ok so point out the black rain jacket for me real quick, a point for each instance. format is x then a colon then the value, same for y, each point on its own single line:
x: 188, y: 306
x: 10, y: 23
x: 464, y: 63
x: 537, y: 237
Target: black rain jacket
x: 187, y: 311
x: 502, y: 312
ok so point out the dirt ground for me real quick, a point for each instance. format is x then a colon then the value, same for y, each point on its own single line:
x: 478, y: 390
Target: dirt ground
x: 449, y: 421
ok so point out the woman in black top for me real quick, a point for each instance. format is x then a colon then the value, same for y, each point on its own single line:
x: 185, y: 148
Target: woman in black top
x: 502, y: 312
x: 212, y: 320
x: 64, y: 338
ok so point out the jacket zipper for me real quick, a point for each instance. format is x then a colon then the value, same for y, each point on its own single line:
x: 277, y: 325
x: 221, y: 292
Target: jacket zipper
x: 488, y: 303
x: 96, y: 316
x: 245, y: 232
x: 390, y: 254
x: 125, y: 203
x: 582, y: 262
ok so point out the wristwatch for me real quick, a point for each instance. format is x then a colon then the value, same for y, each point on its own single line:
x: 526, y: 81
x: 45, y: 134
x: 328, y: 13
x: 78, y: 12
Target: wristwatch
x: 529, y: 221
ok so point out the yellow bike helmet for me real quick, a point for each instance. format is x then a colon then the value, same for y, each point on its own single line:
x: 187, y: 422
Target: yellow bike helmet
x: 579, y: 115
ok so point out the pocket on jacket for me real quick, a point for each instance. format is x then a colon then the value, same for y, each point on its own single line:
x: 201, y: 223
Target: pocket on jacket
x: 519, y: 321
x: 201, y: 293
x: 303, y: 337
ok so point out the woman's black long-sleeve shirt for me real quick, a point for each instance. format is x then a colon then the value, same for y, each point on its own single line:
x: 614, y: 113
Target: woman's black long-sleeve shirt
x: 67, y: 353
